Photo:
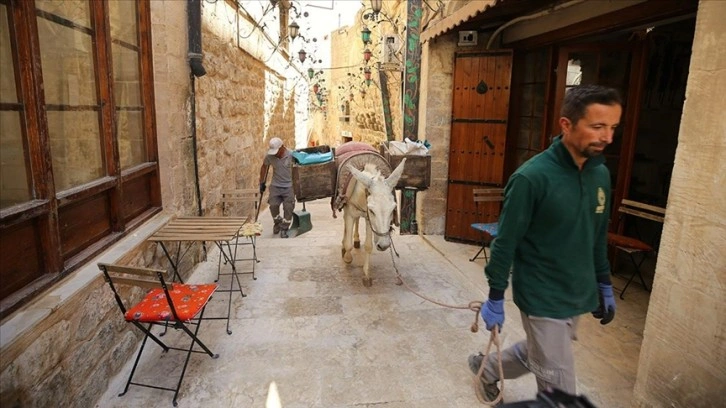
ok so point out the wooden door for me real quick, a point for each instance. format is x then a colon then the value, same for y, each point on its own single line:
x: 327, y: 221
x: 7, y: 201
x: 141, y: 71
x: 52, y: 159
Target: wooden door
x: 478, y: 138
x: 617, y: 65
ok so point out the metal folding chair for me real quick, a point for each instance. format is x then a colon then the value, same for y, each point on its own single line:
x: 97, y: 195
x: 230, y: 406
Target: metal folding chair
x: 634, y: 246
x: 170, y: 305
x: 248, y: 202
x: 486, y: 201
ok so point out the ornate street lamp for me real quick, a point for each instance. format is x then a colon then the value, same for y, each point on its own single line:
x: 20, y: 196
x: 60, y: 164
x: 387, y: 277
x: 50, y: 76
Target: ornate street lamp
x: 302, y: 55
x: 376, y: 6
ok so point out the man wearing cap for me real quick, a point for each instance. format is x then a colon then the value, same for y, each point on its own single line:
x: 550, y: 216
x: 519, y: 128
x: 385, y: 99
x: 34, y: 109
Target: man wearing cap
x: 281, y: 186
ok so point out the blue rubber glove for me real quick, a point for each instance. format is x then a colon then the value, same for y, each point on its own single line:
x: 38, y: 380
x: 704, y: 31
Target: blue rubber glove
x: 262, y: 187
x: 492, y: 311
x: 606, y: 311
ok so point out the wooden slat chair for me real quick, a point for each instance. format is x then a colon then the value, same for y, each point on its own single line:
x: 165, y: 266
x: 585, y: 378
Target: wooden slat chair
x: 246, y: 201
x: 176, y: 305
x: 635, y: 246
x: 487, y: 230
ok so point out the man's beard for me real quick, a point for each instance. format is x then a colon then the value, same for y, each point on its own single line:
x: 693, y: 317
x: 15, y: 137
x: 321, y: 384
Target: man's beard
x: 593, y: 150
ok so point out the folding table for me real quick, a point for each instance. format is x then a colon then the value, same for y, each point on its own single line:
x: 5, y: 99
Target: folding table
x: 220, y: 230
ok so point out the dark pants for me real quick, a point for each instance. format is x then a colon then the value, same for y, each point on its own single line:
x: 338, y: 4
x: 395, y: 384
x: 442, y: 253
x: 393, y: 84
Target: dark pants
x: 286, y: 197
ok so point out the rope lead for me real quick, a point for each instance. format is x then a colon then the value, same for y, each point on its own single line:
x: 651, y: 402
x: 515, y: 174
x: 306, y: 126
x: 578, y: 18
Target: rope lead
x: 474, y: 306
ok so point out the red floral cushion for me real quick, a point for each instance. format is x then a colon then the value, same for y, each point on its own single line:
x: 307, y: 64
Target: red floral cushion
x: 188, y: 301
x: 627, y: 242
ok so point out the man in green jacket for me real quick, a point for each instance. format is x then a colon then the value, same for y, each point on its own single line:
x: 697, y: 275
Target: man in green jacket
x: 553, y: 235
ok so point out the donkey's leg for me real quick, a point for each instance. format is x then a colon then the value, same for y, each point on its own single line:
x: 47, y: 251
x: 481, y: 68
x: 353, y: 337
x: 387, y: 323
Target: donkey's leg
x: 367, y: 280
x: 356, y: 236
x: 348, y: 221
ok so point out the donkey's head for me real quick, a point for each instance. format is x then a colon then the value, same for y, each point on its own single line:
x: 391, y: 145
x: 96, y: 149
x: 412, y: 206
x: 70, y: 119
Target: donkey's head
x: 380, y: 201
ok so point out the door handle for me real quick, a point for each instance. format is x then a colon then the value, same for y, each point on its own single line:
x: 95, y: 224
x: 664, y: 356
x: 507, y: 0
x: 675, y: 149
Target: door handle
x: 488, y: 142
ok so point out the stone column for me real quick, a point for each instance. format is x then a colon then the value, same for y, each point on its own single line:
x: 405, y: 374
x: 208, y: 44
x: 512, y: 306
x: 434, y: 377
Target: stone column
x: 683, y: 352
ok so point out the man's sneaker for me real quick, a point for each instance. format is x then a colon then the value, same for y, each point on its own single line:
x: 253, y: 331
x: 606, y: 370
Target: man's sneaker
x: 283, y: 234
x: 489, y: 391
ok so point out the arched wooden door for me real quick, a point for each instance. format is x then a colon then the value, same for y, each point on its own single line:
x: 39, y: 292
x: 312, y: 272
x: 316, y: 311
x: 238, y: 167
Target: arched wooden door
x: 478, y: 138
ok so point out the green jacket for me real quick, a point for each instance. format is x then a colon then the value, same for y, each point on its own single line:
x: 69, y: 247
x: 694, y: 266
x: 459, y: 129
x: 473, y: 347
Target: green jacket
x: 553, y: 233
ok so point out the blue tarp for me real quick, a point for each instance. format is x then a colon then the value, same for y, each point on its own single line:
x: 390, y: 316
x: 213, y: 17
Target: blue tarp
x: 312, y: 158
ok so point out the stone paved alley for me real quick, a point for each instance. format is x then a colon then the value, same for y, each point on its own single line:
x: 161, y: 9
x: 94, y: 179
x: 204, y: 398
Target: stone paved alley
x: 310, y: 325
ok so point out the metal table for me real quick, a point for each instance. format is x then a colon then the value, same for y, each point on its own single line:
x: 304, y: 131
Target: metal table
x: 220, y: 230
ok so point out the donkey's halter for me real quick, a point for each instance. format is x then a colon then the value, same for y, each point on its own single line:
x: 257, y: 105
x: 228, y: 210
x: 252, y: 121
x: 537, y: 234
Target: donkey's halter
x: 368, y: 218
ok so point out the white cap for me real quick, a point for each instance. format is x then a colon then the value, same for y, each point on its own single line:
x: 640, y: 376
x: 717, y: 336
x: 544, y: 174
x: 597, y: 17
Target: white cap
x: 275, y: 144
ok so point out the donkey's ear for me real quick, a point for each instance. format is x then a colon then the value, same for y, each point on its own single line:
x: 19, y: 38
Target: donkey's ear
x: 363, y: 178
x: 392, y: 180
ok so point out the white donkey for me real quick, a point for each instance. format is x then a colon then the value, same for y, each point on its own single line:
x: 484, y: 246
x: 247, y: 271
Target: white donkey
x: 370, y: 196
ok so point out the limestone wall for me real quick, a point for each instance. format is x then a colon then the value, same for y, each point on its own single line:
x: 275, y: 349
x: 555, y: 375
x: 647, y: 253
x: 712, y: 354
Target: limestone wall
x: 172, y: 96
x: 683, y: 353
x: 240, y: 104
x: 68, y: 358
x: 366, y: 121
x: 437, y: 75
x: 66, y: 347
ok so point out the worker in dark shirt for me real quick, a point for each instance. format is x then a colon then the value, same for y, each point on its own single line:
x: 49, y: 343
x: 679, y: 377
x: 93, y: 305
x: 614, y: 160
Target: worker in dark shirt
x: 281, y: 191
x: 553, y: 237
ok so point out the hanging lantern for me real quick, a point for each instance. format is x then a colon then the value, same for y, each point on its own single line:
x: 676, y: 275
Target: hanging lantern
x: 367, y: 74
x: 367, y: 55
x: 311, y: 73
x: 365, y: 35
x: 351, y: 96
x: 294, y: 29
x: 368, y: 82
x: 316, y: 88
x: 302, y: 55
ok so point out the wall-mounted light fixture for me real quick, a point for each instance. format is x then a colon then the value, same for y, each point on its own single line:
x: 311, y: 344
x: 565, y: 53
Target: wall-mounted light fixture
x: 302, y: 55
x: 367, y: 74
x: 367, y: 55
x: 311, y: 73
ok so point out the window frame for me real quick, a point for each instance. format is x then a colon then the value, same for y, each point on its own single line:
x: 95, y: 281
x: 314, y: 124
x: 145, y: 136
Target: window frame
x: 71, y: 226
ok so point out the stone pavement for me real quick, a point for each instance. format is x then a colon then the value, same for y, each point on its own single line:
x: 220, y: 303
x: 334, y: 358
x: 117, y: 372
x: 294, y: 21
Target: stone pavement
x: 310, y: 326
